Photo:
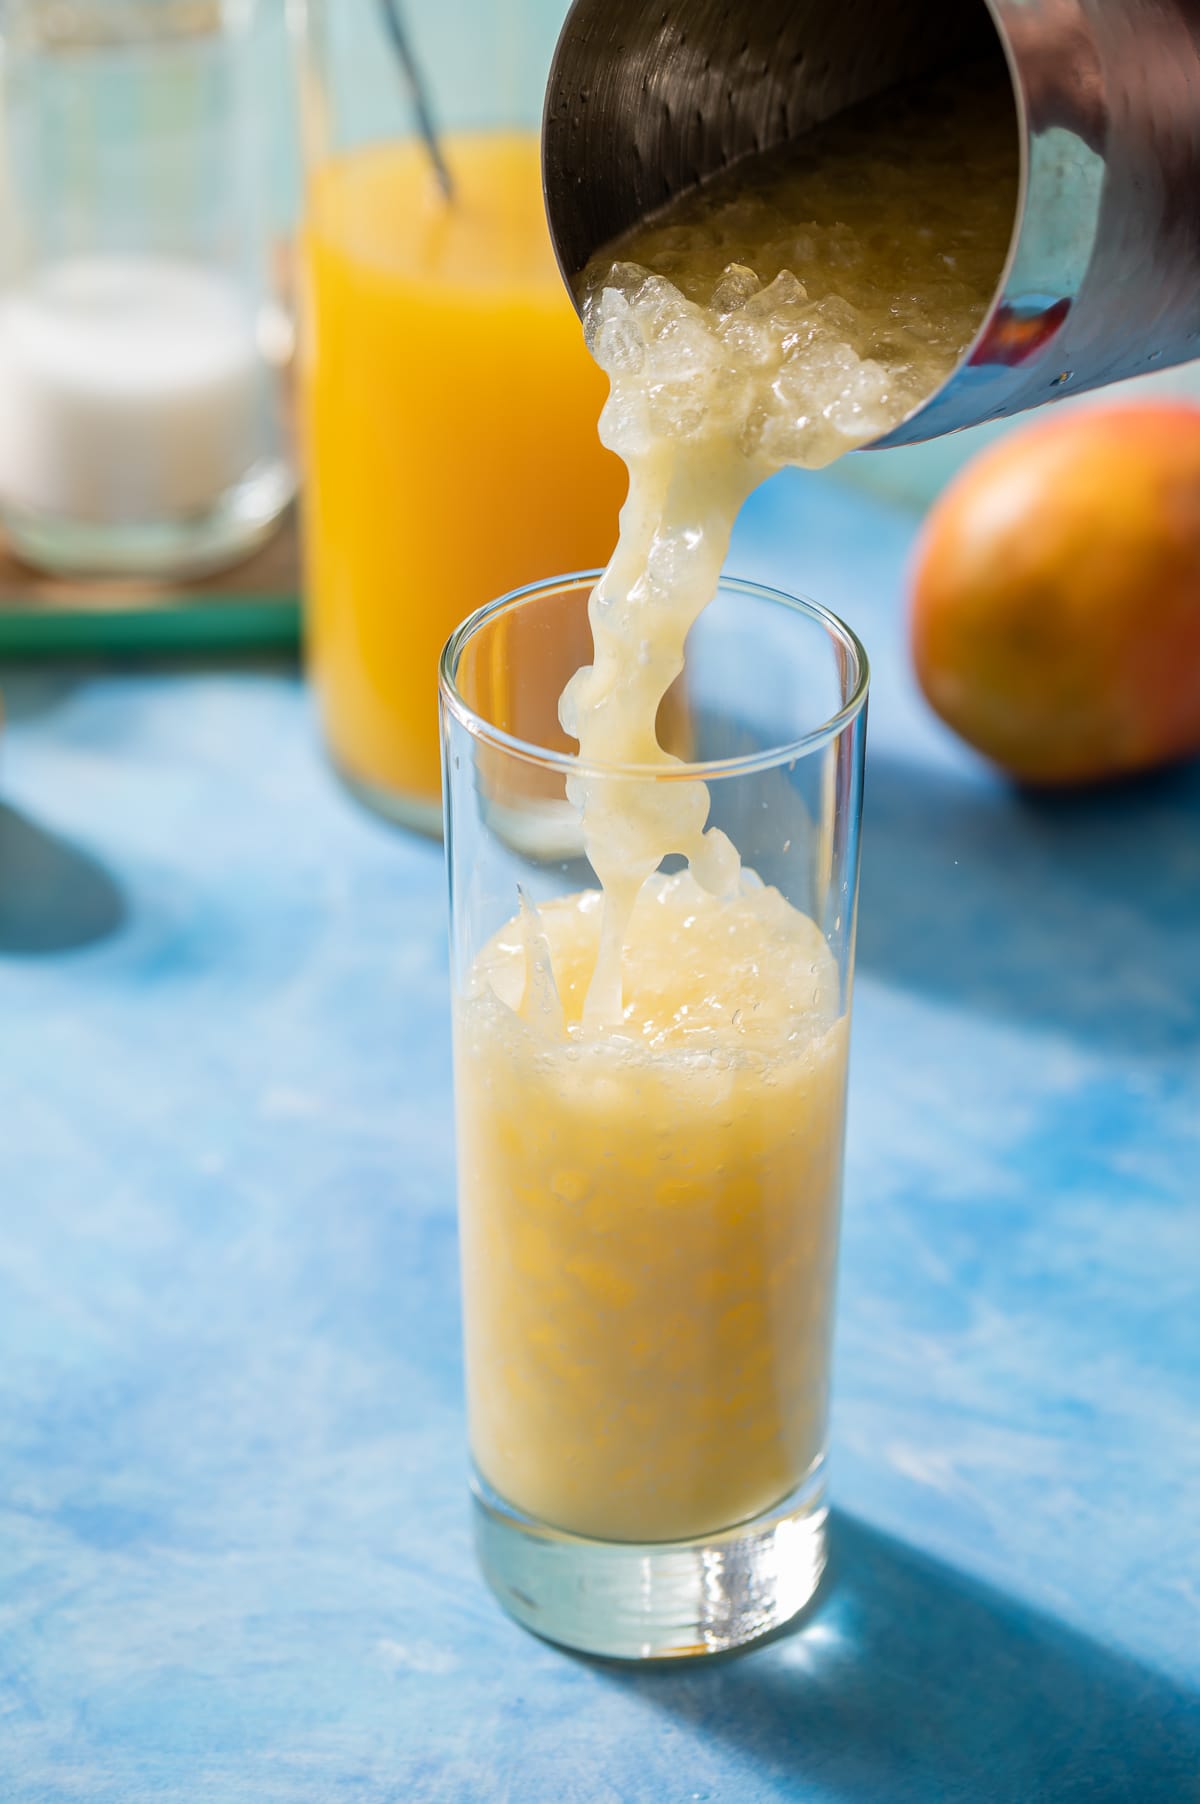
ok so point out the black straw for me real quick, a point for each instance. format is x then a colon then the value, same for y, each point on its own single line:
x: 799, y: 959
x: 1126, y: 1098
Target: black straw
x: 398, y: 32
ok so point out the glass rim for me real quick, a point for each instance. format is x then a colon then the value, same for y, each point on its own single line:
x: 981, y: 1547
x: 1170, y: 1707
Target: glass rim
x: 572, y: 765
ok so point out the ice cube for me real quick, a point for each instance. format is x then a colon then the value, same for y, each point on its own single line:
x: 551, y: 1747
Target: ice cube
x: 788, y: 440
x: 863, y: 408
x: 737, y: 285
x: 606, y: 303
x: 683, y: 348
x: 785, y: 291
x: 715, y: 862
x: 747, y: 340
x: 677, y: 409
x: 793, y: 329
x: 660, y: 304
x: 626, y: 279
x: 618, y: 346
x: 837, y: 318
x: 812, y: 379
x: 540, y: 1005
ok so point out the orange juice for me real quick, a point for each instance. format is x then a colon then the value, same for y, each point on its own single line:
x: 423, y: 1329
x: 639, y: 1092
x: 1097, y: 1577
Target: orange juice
x: 449, y: 409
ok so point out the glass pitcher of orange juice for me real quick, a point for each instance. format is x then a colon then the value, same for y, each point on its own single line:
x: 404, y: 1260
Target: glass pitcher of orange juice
x: 448, y: 402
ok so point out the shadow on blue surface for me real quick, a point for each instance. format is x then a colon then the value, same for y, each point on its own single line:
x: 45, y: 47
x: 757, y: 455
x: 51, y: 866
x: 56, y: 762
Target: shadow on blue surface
x: 27, y: 694
x: 54, y: 896
x: 1074, y: 913
x: 913, y: 1682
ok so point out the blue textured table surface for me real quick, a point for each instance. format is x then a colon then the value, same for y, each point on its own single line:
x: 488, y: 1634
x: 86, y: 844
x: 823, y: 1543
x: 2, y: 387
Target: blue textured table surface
x: 234, y: 1559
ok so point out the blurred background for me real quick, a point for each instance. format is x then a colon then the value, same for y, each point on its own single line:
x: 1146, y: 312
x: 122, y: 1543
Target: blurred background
x: 228, y: 274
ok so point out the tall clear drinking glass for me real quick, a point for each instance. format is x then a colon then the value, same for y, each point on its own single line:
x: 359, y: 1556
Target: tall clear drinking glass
x: 649, y: 1204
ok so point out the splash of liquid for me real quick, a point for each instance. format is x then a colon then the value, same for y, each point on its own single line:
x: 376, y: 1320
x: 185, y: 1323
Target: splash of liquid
x: 795, y: 308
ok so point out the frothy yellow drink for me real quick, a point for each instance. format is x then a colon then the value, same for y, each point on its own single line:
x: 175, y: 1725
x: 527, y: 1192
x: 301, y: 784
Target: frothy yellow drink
x: 651, y: 1075
x: 649, y: 1213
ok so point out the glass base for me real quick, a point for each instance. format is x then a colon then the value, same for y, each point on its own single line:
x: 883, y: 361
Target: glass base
x: 419, y: 815
x: 664, y: 1600
x: 241, y: 521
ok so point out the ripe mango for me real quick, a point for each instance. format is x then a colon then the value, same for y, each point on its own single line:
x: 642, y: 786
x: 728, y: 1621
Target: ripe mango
x: 1055, y: 597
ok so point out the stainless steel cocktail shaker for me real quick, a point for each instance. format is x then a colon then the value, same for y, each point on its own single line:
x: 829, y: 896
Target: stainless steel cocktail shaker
x: 1102, y: 279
